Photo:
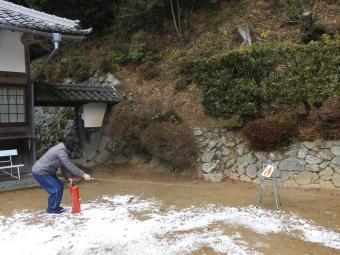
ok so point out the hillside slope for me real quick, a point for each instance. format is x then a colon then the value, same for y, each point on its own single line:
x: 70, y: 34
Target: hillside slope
x: 211, y: 32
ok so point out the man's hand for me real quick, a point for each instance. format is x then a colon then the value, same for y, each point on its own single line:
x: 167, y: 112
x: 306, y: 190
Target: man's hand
x: 87, y: 177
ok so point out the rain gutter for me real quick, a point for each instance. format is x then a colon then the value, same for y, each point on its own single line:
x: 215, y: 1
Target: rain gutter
x: 45, y: 34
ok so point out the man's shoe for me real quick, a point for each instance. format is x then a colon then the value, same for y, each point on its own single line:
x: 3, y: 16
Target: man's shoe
x: 59, y: 211
x: 60, y: 208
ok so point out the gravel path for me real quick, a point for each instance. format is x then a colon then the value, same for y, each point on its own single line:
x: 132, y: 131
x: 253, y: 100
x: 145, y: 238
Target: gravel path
x: 27, y: 181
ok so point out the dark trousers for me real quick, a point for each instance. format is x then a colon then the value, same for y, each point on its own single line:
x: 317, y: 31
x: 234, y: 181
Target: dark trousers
x: 53, y: 186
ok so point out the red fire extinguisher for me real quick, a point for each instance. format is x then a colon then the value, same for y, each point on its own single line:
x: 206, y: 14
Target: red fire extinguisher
x: 74, y: 189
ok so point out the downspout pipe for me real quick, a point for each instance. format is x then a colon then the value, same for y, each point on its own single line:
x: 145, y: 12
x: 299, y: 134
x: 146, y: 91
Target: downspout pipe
x: 56, y: 39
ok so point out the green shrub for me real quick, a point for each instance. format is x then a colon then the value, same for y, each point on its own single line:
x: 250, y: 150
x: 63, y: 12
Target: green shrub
x: 313, y: 32
x: 252, y: 81
x: 293, y: 9
x: 119, y: 57
x: 169, y: 116
x: 140, y: 51
x: 310, y: 74
x: 271, y: 132
x: 233, y: 83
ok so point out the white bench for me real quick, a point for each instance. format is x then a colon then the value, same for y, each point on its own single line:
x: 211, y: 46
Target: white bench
x: 8, y: 163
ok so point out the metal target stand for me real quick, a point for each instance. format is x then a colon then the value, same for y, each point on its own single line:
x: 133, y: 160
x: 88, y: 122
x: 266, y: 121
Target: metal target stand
x: 273, y: 179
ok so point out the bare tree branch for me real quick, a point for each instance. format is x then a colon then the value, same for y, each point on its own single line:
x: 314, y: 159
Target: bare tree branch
x: 179, y: 18
x: 174, y: 17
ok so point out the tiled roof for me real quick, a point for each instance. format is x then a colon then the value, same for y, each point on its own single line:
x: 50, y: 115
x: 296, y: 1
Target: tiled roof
x: 16, y: 16
x: 60, y: 94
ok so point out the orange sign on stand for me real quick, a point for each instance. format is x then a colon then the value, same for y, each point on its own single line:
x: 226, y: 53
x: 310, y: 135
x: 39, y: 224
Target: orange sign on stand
x: 268, y: 175
x: 268, y: 171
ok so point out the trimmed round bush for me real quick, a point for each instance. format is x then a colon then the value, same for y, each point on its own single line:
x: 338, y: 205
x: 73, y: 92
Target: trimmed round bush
x: 128, y: 125
x: 250, y: 81
x: 155, y: 129
x: 271, y: 132
x: 329, y: 115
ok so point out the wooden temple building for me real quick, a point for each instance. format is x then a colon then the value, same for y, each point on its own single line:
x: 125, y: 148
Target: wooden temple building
x: 25, y: 35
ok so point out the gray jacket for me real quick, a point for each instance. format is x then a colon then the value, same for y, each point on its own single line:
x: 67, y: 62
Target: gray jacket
x: 54, y: 158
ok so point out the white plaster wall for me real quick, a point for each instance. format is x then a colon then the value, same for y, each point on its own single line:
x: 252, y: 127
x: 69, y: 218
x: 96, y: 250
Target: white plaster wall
x: 12, y: 52
x: 94, y: 114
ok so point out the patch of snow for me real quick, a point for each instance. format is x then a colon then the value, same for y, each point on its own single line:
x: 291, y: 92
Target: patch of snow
x: 131, y: 225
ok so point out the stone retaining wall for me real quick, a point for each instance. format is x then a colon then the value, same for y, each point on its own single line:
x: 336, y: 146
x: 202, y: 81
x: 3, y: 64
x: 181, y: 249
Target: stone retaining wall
x: 307, y: 164
x: 51, y: 125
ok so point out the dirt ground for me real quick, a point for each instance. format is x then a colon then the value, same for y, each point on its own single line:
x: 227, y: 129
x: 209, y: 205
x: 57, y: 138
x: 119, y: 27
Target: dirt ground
x: 151, y: 181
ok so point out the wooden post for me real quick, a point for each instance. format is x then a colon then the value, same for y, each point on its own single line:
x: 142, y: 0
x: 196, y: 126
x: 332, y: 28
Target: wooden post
x: 81, y: 130
x: 106, y: 116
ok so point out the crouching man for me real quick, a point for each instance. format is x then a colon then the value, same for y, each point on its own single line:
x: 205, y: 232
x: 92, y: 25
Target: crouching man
x: 44, y: 171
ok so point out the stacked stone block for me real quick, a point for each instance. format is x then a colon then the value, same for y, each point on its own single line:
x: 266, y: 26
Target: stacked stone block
x: 310, y: 164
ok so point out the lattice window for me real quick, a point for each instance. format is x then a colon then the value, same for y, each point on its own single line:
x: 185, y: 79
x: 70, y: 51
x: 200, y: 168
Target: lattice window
x: 12, y: 105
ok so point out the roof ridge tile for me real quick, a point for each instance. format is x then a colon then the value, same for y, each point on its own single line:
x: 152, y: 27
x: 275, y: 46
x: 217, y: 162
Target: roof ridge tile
x: 38, y: 14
